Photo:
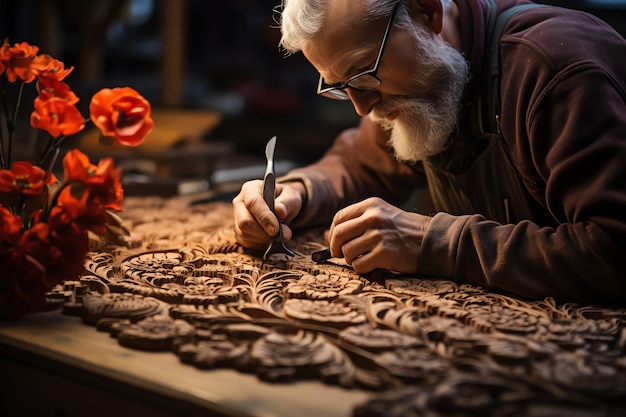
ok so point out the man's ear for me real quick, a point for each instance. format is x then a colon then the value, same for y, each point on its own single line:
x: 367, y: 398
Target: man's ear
x: 433, y: 9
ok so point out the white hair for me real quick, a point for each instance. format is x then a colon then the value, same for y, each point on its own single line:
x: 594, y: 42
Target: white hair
x: 301, y: 20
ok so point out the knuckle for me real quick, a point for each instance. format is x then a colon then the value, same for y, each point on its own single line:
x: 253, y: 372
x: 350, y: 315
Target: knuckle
x: 339, y: 233
x: 373, y: 220
x: 361, y: 265
x: 246, y: 223
x: 338, y: 218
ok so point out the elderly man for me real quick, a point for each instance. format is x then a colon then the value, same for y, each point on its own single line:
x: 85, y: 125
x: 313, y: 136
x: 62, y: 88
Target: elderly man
x: 528, y: 179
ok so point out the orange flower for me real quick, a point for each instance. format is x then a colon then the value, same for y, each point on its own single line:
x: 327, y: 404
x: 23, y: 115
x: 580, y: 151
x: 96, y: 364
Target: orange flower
x: 55, y: 88
x: 103, y: 180
x: 24, y: 178
x: 44, y: 66
x: 3, y: 54
x: 81, y: 210
x: 121, y: 113
x: 78, y: 168
x: 17, y: 60
x: 56, y: 115
x: 10, y: 225
x: 47, y: 242
x: 92, y: 191
x: 44, y: 256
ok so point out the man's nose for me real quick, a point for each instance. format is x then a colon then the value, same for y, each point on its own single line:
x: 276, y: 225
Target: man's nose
x: 363, y: 101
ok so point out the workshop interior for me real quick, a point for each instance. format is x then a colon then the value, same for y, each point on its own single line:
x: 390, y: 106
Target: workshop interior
x: 219, y: 85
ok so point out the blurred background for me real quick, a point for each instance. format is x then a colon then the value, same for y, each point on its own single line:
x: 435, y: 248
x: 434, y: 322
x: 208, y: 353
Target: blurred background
x: 218, y: 83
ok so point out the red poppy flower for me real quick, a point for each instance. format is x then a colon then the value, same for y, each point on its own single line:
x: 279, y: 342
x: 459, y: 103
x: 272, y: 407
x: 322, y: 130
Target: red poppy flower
x: 3, y: 53
x: 24, y: 178
x: 17, y: 60
x: 10, y: 225
x: 103, y: 180
x: 44, y: 66
x: 81, y: 209
x: 47, y: 243
x: 45, y: 256
x: 56, y: 115
x: 50, y: 87
x: 86, y: 206
x: 121, y: 113
x: 56, y: 248
x: 22, y: 285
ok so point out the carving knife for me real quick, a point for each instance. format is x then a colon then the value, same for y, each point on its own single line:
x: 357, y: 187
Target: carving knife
x: 277, y: 243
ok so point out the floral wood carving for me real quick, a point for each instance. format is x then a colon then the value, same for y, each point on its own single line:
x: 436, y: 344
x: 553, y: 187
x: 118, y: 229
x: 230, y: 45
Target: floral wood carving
x: 422, y: 346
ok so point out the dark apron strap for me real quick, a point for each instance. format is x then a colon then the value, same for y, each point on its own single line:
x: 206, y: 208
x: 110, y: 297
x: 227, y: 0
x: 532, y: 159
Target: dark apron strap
x: 486, y: 181
x: 490, y: 186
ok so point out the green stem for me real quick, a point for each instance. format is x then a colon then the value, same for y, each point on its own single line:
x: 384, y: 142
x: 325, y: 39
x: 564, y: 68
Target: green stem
x: 55, y: 143
x: 20, y: 209
x: 52, y: 144
x: 60, y: 139
x: 51, y: 165
x: 53, y: 202
x: 12, y: 125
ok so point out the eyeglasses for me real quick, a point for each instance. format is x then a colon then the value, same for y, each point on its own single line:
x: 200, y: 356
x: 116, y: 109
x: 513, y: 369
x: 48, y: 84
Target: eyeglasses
x: 364, y: 81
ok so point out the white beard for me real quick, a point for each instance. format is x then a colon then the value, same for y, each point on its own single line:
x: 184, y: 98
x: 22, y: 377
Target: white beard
x: 420, y: 131
x: 425, y: 123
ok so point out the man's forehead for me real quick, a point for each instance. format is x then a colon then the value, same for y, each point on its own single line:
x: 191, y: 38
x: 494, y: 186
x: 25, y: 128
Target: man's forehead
x: 342, y: 13
x: 344, y: 37
x: 344, y: 26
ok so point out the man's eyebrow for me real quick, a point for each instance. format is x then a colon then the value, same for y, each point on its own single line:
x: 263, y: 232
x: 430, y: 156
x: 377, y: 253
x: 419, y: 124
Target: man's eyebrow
x: 357, y: 65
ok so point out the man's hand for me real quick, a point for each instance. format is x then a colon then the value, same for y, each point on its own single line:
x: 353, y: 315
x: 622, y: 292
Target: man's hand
x: 254, y: 221
x: 375, y: 234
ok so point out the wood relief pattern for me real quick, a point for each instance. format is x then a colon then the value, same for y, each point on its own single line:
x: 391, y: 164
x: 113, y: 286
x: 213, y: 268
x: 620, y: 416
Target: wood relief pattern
x: 423, y: 347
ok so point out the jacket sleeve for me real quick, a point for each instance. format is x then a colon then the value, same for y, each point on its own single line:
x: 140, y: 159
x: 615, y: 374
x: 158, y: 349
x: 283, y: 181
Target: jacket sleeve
x: 565, y: 124
x: 357, y: 166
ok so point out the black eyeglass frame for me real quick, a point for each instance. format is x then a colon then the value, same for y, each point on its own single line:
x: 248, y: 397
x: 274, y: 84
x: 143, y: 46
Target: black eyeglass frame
x: 337, y: 91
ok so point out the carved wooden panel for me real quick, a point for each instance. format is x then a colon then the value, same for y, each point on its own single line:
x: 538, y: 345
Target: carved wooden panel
x: 423, y: 347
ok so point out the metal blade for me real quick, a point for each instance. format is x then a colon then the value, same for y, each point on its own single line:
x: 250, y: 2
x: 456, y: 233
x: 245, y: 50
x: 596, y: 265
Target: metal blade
x: 269, y: 149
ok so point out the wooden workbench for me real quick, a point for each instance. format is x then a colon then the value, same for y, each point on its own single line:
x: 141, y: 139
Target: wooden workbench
x: 54, y: 365
x: 183, y: 321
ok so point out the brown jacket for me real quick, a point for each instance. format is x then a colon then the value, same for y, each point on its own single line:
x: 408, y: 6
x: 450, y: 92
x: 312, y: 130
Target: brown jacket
x: 563, y: 121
